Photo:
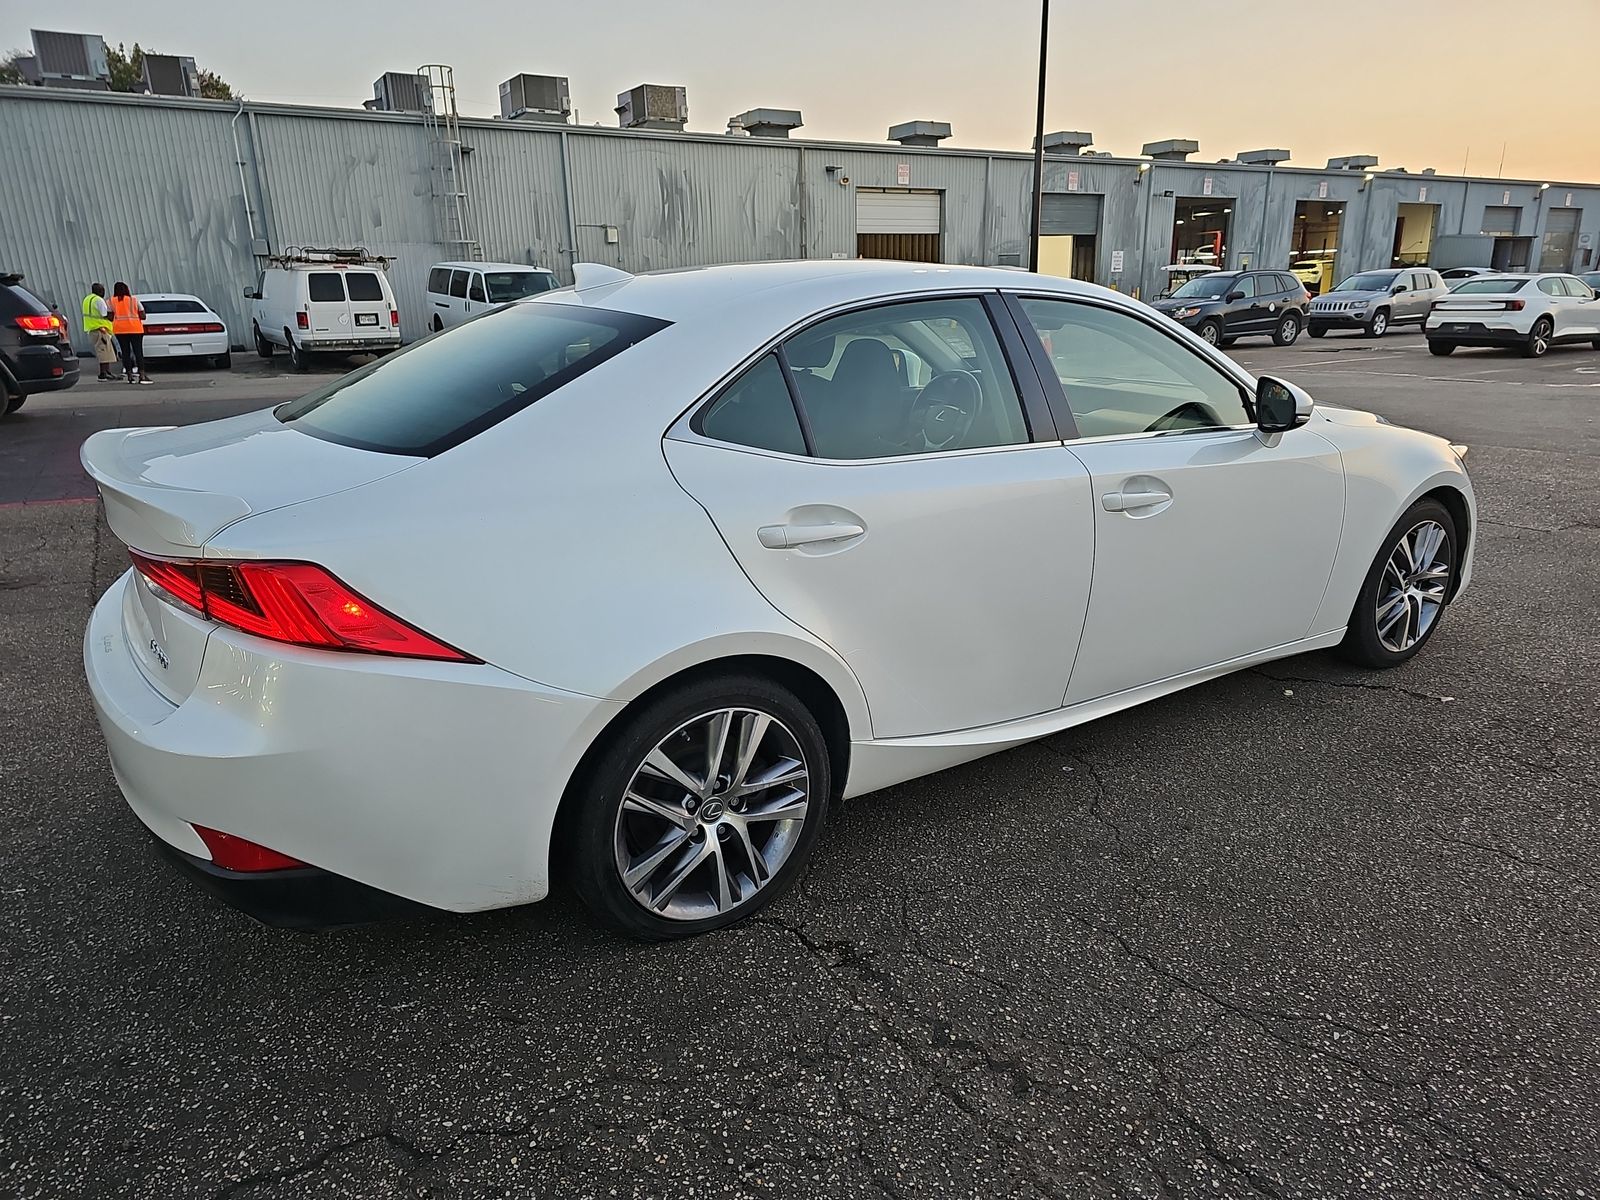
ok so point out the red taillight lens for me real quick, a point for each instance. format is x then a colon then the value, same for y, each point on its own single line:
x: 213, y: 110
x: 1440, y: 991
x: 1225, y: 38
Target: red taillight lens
x: 291, y: 602
x: 39, y: 322
x: 237, y: 854
x: 302, y: 320
x: 1516, y: 305
x: 394, y: 317
x: 206, y: 327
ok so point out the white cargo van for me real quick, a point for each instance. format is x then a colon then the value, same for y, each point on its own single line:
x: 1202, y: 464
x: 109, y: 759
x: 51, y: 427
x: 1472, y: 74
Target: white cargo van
x: 311, y: 301
x: 458, y: 290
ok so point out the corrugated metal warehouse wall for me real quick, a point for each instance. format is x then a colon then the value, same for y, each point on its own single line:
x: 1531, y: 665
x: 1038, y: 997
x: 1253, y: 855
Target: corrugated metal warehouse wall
x: 156, y: 191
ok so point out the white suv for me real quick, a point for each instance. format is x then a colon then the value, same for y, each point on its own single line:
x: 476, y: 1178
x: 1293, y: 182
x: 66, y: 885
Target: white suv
x: 324, y: 301
x: 1530, y: 312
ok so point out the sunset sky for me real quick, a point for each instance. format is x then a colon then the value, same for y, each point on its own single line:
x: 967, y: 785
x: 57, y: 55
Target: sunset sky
x: 1420, y: 83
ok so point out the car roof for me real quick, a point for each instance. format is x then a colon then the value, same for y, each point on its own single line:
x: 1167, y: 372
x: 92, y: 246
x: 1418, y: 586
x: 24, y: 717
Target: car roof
x: 793, y: 290
x: 492, y: 266
x: 169, y: 296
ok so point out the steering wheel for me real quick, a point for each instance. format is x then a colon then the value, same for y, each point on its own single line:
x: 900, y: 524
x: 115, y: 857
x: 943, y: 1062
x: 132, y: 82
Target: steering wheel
x: 1192, y: 408
x: 944, y: 410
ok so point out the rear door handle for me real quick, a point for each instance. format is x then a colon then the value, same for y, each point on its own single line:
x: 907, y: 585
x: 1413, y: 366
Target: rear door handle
x: 1126, y: 501
x: 787, y: 537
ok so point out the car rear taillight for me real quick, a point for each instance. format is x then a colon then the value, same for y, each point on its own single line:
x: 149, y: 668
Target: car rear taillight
x: 234, y: 853
x: 394, y: 317
x: 40, y: 322
x: 302, y: 320
x: 206, y: 327
x: 291, y: 602
x: 1516, y: 305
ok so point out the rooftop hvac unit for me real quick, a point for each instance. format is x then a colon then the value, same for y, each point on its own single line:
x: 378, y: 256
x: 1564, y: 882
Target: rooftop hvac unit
x: 70, y: 59
x: 536, y: 98
x: 169, y: 75
x: 401, y: 91
x: 653, y: 106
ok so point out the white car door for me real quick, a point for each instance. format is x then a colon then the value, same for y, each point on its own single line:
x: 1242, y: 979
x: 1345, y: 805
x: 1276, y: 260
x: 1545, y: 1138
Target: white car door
x: 916, y: 525
x: 1212, y: 540
x: 327, y: 307
x: 1585, y: 306
x: 1560, y: 307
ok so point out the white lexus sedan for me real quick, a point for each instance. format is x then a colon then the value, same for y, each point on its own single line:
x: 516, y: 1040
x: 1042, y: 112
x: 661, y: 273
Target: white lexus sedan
x: 633, y: 581
x: 182, y: 326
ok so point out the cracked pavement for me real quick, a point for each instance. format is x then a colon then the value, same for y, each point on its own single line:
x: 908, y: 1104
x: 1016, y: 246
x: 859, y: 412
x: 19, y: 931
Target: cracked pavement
x: 1302, y: 932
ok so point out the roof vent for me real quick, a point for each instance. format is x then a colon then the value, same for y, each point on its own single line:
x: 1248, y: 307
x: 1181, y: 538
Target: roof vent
x: 1353, y: 162
x: 1065, y: 141
x: 1263, y: 158
x: 653, y: 106
x: 170, y: 75
x: 536, y: 98
x: 399, y: 91
x: 768, y: 122
x: 919, y: 133
x: 1171, y: 150
x: 71, y: 60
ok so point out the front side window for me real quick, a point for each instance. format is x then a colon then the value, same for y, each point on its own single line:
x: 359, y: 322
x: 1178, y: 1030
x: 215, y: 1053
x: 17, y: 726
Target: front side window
x: 1578, y: 288
x: 363, y: 285
x: 1246, y: 284
x: 439, y: 392
x: 1122, y: 376
x: 325, y: 287
x: 918, y: 377
x: 458, y: 284
x: 755, y: 410
x: 475, y: 292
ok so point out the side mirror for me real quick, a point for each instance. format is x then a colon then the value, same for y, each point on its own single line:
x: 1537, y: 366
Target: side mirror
x: 1280, y: 405
x: 1232, y: 296
x: 251, y: 294
x: 1398, y: 288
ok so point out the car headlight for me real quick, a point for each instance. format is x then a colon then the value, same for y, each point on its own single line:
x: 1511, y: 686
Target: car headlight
x: 1183, y: 314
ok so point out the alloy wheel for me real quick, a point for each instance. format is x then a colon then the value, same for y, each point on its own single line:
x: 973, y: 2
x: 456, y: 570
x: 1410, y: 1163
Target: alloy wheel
x: 1380, y: 325
x: 1412, y: 590
x: 1540, y: 338
x: 1290, y: 330
x: 1209, y: 333
x: 711, y: 814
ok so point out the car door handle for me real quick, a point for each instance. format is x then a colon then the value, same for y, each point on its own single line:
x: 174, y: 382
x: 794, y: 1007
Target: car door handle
x: 1127, y: 501
x: 787, y: 537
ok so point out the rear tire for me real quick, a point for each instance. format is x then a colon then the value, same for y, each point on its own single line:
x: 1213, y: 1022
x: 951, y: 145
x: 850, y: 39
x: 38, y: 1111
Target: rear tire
x: 600, y: 835
x: 1538, y: 338
x: 1287, y: 331
x: 1370, y: 640
x: 263, y: 347
x: 15, y: 401
x: 223, y: 362
x: 1379, y: 324
x: 1441, y: 349
x: 438, y: 325
x: 298, y: 358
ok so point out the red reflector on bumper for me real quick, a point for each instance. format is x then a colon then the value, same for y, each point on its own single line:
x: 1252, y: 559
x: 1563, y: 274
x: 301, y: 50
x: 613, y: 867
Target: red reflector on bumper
x: 233, y: 853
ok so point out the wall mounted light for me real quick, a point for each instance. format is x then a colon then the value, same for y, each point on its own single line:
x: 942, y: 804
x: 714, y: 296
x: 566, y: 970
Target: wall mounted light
x: 1144, y: 169
x: 1366, y: 179
x: 1539, y: 195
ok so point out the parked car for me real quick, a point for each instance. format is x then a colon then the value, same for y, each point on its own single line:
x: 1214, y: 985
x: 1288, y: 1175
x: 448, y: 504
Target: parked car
x: 177, y: 325
x: 381, y: 649
x: 1374, y: 301
x: 1529, y: 312
x: 36, y: 352
x: 1227, y: 305
x: 1179, y: 274
x: 324, y: 301
x: 458, y: 290
x: 1592, y: 279
x: 1313, y: 272
x: 1454, y: 275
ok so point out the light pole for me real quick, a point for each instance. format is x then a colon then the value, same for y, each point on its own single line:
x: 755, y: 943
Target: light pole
x: 1038, y: 139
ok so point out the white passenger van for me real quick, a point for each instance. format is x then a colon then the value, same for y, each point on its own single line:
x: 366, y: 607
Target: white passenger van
x: 458, y: 290
x: 311, y: 301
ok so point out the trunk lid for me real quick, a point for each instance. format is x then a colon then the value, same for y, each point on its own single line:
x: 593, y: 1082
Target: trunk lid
x: 167, y: 491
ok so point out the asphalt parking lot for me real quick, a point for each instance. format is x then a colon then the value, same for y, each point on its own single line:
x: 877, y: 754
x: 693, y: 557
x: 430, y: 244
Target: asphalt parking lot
x: 1300, y: 932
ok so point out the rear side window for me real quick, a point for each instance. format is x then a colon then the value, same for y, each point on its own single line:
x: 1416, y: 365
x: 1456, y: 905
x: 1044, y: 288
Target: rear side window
x: 172, y: 306
x: 440, y: 392
x: 458, y: 284
x: 1552, y: 287
x: 1288, y: 283
x: 325, y: 286
x: 439, y: 281
x: 755, y: 410
x: 363, y: 285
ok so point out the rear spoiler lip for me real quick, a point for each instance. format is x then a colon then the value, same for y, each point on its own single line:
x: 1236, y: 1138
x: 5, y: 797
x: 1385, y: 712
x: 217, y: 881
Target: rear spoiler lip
x: 154, y: 517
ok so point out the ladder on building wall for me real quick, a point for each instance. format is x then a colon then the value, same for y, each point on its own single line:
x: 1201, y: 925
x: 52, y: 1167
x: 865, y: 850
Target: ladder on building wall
x: 450, y: 196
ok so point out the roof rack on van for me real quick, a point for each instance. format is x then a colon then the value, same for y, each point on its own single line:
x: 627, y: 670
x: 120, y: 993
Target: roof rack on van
x: 326, y: 254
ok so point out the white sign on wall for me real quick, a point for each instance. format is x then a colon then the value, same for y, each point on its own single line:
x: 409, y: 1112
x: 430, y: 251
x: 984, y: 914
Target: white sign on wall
x: 1205, y: 189
x: 1569, y: 200
x: 1505, y: 197
x: 902, y: 174
x: 1322, y: 190
x: 1116, y: 262
x: 1072, y: 181
x: 1422, y: 193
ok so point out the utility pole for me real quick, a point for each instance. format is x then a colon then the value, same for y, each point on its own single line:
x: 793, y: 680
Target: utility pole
x: 1038, y: 138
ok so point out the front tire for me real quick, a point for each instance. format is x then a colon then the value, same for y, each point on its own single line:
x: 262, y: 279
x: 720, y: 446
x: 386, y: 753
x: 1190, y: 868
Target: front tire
x: 1379, y: 324
x: 1441, y: 349
x: 1538, y: 338
x: 1287, y: 331
x: 1406, y: 590
x: 1317, y: 330
x: 1211, y: 333
x: 700, y: 809
x: 263, y: 347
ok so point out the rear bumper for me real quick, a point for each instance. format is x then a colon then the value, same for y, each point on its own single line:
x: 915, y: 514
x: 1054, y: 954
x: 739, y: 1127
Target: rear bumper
x: 434, y: 782
x: 43, y: 368
x: 1474, y: 333
x: 199, y: 345
x: 314, y: 345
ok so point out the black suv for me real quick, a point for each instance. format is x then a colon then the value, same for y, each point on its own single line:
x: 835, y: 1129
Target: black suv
x: 1226, y: 305
x: 36, y: 352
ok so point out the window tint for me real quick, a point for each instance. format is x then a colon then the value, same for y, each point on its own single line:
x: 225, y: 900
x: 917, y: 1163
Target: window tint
x: 439, y: 280
x: 325, y: 286
x: 1122, y: 376
x: 458, y: 285
x: 172, y: 306
x: 1552, y: 287
x: 439, y: 392
x: 912, y: 378
x: 475, y: 292
x: 1245, y: 284
x: 363, y: 285
x: 505, y: 286
x: 755, y: 410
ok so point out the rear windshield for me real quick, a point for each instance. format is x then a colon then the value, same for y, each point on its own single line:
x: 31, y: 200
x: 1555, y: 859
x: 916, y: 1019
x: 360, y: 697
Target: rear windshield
x: 505, y: 286
x: 439, y: 392
x: 151, y: 307
x: 1489, y: 284
x: 363, y: 285
x: 324, y: 286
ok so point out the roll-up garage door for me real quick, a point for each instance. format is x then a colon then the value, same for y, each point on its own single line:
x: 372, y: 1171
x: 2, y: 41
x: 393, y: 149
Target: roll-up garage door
x: 1500, y: 220
x: 1063, y: 213
x: 1560, y: 239
x: 898, y: 223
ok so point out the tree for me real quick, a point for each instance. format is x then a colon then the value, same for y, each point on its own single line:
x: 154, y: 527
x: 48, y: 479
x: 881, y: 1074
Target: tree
x: 127, y: 73
x: 9, y: 71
